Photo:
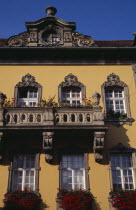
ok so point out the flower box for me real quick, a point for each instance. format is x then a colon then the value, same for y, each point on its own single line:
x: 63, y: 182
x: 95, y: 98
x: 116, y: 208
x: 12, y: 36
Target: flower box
x: 22, y: 200
x: 75, y: 199
x: 123, y: 199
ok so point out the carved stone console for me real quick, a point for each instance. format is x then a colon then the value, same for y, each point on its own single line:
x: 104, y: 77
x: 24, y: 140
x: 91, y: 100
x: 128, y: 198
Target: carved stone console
x: 48, y: 145
x: 98, y: 146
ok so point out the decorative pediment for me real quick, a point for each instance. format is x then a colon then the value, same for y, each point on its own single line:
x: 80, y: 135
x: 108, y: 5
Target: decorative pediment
x: 71, y: 81
x: 51, y: 31
x: 122, y: 148
x: 114, y: 80
x: 28, y: 81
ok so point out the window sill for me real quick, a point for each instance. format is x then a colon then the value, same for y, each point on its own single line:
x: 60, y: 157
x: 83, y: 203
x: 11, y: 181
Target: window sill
x: 115, y: 121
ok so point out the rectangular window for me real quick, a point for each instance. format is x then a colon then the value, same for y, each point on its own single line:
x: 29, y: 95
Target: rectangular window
x: 115, y: 100
x: 23, y: 172
x: 73, y: 172
x: 72, y: 97
x: 29, y: 99
x: 32, y: 94
x: 122, y: 171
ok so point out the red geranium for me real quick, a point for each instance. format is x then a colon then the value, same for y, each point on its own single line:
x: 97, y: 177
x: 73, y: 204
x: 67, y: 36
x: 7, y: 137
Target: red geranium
x: 21, y: 200
x: 123, y: 199
x: 75, y: 199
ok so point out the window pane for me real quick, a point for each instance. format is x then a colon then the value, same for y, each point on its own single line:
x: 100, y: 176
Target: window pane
x: 122, y: 171
x: 22, y: 174
x: 72, y: 171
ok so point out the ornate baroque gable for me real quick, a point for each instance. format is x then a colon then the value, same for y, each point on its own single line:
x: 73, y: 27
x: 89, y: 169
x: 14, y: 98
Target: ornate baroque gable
x: 114, y: 80
x: 28, y: 81
x: 71, y: 81
x: 51, y: 32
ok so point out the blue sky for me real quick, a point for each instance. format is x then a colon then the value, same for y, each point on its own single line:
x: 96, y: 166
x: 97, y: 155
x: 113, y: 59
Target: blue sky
x: 101, y: 19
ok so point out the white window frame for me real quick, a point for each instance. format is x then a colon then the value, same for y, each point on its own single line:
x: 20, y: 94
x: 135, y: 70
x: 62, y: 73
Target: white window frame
x: 24, y: 169
x: 121, y: 169
x: 71, y: 99
x: 73, y: 173
x: 29, y: 100
x: 114, y: 99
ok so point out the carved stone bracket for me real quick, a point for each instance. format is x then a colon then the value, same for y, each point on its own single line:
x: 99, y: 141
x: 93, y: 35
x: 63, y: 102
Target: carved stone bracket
x: 48, y: 145
x: 47, y: 141
x: 98, y: 146
x: 49, y: 158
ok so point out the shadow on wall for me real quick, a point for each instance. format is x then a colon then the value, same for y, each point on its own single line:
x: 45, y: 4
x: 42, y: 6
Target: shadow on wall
x: 116, y: 135
x: 96, y: 205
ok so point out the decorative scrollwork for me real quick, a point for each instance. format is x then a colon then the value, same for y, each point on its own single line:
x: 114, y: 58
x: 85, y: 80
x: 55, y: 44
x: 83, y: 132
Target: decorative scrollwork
x: 71, y: 80
x: 81, y: 40
x: 28, y: 80
x: 20, y: 40
x: 114, y: 80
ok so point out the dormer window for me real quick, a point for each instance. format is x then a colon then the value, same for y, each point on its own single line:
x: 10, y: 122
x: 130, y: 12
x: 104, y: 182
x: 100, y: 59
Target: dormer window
x: 28, y: 92
x: 71, y: 91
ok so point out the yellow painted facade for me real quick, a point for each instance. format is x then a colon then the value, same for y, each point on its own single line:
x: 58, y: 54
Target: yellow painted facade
x: 92, y: 76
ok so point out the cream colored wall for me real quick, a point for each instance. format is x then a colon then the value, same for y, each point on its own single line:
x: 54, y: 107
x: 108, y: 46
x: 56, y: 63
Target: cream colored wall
x: 92, y: 77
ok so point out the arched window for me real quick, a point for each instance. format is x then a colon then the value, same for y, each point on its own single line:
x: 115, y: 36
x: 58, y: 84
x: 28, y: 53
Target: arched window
x: 71, y: 91
x: 28, y: 92
x: 116, y: 95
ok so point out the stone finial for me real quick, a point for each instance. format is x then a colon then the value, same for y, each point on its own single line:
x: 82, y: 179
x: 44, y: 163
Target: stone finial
x: 96, y: 98
x: 2, y: 99
x: 51, y: 11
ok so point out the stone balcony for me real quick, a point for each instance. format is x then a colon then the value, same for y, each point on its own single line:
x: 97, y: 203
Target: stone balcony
x: 37, y: 117
x: 79, y: 116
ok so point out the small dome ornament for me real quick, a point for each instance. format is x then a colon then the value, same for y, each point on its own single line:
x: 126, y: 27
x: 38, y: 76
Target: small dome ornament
x: 51, y: 11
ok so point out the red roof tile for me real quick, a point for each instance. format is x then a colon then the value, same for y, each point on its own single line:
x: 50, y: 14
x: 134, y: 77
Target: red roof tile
x: 3, y: 42
x: 114, y: 43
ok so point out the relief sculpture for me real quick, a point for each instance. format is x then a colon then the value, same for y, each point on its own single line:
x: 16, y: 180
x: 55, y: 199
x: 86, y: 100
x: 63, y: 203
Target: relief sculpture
x: 19, y: 41
x: 81, y: 40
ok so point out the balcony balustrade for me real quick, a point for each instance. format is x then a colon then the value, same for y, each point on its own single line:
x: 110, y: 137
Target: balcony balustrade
x: 61, y: 116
